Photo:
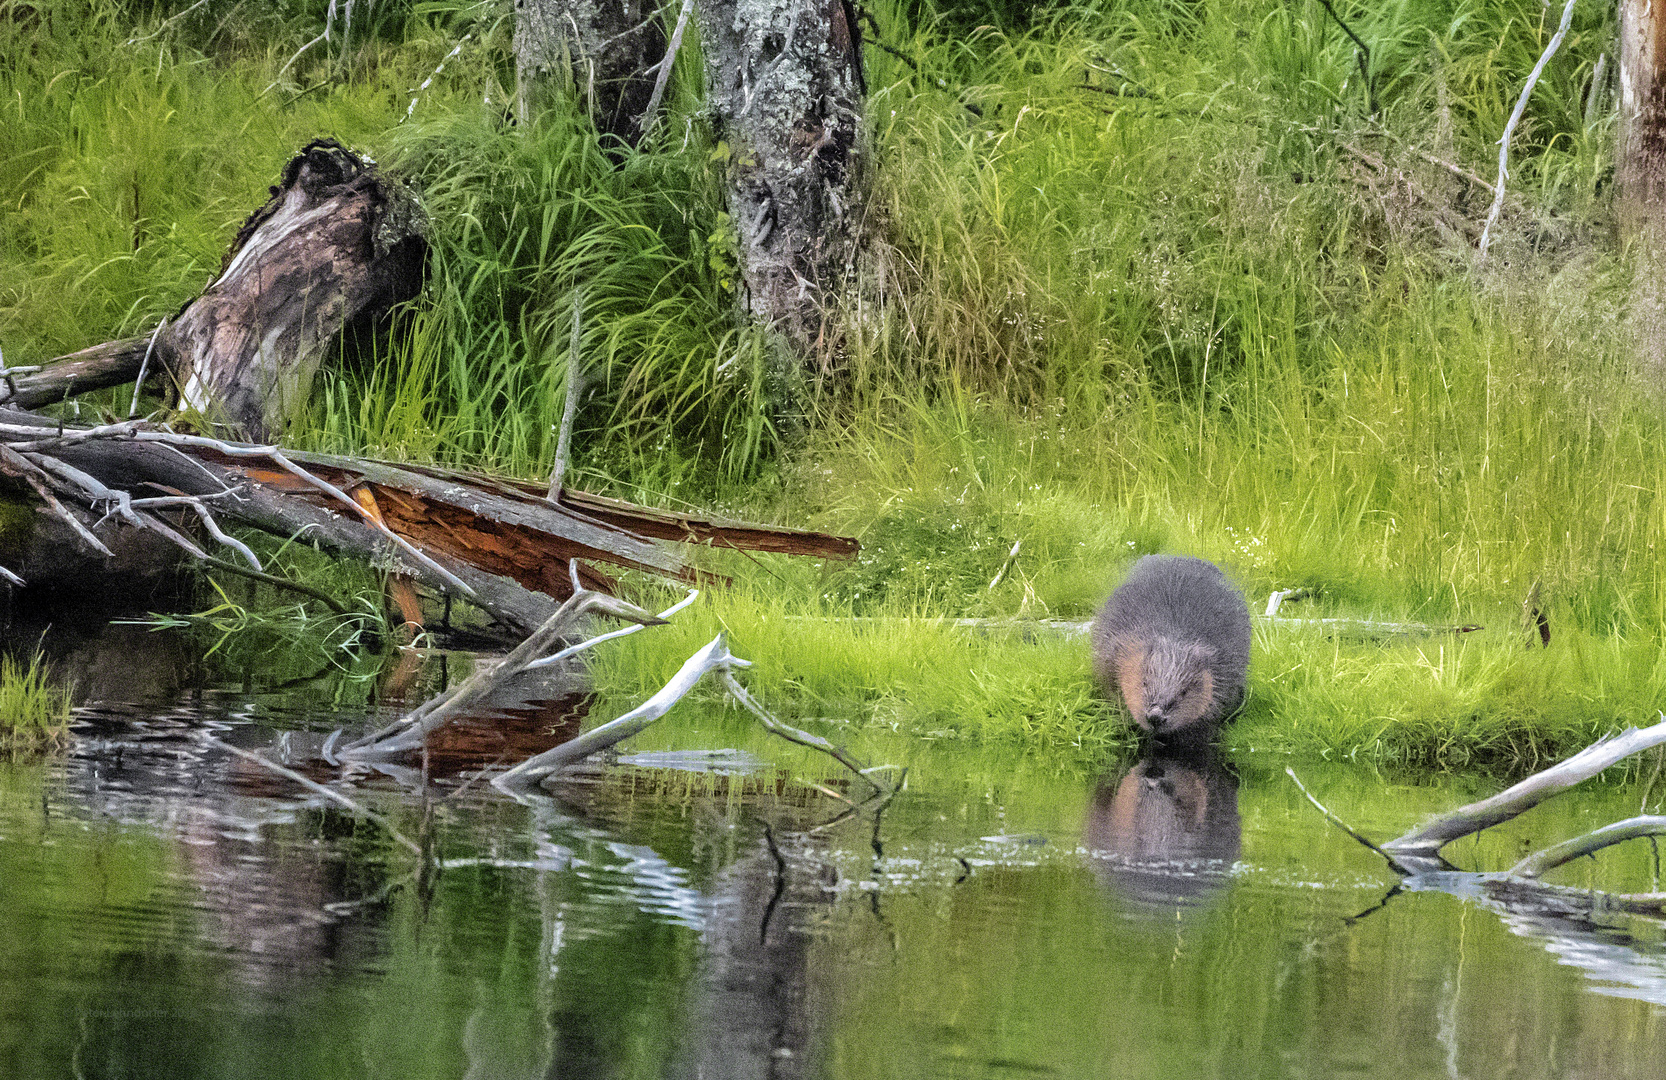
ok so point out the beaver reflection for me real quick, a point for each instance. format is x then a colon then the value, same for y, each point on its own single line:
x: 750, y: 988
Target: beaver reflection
x: 1168, y: 832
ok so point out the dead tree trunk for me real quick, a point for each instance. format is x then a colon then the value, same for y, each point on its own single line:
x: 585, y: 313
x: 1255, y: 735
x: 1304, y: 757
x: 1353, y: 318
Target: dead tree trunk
x: 786, y: 85
x: 605, y: 51
x: 337, y: 245
x: 1641, y: 169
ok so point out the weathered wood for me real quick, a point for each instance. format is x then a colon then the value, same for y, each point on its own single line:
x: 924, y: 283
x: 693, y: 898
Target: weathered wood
x: 101, y: 366
x: 509, y: 547
x: 1421, y: 846
x: 338, y: 244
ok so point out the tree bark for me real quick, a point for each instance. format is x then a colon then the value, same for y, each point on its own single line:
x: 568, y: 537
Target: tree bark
x: 602, y: 50
x: 336, y: 246
x: 785, y: 82
x: 1641, y: 172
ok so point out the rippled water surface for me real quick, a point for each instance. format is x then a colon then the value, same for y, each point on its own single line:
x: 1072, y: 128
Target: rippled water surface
x: 168, y: 909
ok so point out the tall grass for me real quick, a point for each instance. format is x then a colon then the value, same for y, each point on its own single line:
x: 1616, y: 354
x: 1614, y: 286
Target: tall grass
x: 34, y: 712
x: 1144, y: 276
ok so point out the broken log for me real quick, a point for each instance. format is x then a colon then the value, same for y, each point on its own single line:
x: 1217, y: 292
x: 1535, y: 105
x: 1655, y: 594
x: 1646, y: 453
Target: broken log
x: 337, y: 244
x: 459, y: 534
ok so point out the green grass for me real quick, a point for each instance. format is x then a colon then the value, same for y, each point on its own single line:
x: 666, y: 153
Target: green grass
x: 1143, y: 277
x: 33, y: 711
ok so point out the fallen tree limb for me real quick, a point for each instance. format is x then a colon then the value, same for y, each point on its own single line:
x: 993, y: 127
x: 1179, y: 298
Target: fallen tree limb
x: 1422, y: 845
x: 714, y: 656
x: 409, y: 732
x: 493, y: 543
x: 1568, y: 850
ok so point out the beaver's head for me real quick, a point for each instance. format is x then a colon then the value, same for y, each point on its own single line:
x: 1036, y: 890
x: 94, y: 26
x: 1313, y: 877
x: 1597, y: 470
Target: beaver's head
x: 1167, y: 684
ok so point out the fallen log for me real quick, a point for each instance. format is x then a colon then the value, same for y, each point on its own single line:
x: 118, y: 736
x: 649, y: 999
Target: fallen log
x: 464, y: 535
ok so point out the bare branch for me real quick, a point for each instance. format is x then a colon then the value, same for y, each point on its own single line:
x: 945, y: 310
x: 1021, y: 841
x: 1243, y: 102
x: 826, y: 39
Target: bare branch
x: 1595, y: 840
x: 1393, y: 864
x: 649, y: 114
x: 42, y: 484
x: 409, y: 732
x: 1515, y: 118
x: 713, y: 657
x: 794, y: 735
x: 1424, y: 843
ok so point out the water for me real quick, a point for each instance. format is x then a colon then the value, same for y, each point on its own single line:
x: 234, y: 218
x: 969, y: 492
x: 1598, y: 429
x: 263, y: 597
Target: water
x: 169, y: 910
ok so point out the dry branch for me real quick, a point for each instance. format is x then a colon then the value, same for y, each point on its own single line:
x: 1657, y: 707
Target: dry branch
x: 409, y: 732
x: 714, y: 656
x: 1422, y: 845
x: 1568, y: 850
x: 1515, y: 118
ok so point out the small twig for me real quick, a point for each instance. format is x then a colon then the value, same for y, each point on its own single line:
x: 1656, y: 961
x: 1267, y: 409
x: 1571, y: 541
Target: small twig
x: 280, y: 582
x: 650, y: 114
x: 166, y: 23
x: 1012, y: 557
x: 590, y: 643
x: 319, y: 789
x: 794, y: 735
x: 41, y: 482
x: 1393, y: 864
x: 281, y: 71
x: 1510, y: 127
x: 144, y: 367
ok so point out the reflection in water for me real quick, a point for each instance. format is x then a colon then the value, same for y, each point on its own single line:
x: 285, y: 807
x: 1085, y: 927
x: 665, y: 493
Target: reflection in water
x: 639, y: 922
x: 1168, y: 833
x: 752, y: 1015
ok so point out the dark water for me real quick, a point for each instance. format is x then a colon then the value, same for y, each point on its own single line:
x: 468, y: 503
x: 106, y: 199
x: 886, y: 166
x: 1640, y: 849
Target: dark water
x: 168, y: 910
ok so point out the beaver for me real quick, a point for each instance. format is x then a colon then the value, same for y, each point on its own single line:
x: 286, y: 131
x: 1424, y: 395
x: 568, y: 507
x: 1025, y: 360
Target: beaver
x: 1174, y: 639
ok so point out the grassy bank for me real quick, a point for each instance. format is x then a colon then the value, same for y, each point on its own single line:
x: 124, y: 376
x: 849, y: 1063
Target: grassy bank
x: 1143, y: 278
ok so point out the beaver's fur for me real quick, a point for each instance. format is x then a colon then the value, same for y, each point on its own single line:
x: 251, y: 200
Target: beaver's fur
x: 1174, y: 640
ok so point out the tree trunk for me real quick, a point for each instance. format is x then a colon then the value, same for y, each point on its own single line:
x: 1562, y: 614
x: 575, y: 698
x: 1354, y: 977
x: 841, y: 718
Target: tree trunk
x: 336, y: 246
x: 602, y: 49
x: 786, y: 85
x: 1641, y: 171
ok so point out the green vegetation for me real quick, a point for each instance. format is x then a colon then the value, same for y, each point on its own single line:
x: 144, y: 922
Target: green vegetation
x: 1144, y: 277
x: 34, y: 712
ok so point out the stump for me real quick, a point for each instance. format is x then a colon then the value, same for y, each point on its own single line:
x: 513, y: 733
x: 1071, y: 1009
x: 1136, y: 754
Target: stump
x: 336, y: 246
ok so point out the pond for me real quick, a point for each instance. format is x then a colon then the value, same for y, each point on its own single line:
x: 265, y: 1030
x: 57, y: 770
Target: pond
x: 168, y: 909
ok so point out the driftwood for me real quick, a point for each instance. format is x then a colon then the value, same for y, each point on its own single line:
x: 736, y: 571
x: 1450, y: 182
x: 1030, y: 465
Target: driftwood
x: 1420, y: 848
x: 1415, y: 856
